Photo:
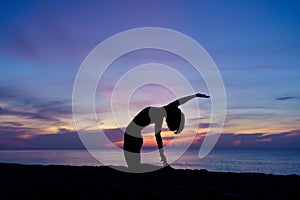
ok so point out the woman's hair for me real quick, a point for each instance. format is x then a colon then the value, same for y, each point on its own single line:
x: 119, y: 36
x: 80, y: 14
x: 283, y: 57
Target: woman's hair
x: 175, y: 119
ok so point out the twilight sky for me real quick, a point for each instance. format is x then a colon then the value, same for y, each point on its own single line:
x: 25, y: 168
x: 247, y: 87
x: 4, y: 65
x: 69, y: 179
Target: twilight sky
x: 255, y: 44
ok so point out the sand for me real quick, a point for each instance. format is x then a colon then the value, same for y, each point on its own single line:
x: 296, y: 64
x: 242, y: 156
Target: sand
x: 87, y: 182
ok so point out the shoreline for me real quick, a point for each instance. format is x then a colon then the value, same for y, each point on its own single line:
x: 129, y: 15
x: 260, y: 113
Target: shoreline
x: 89, y: 182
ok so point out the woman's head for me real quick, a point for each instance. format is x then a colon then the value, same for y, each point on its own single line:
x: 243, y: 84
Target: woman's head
x: 175, y: 119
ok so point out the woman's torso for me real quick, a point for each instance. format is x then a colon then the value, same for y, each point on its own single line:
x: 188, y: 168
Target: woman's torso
x: 144, y: 118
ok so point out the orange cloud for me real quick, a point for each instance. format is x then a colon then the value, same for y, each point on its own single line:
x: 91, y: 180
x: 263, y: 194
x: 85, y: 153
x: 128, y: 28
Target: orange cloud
x: 237, y: 142
x: 264, y: 140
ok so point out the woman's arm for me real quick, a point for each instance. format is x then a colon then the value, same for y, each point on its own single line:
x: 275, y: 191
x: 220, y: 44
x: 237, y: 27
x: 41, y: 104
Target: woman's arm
x: 159, y: 140
x: 158, y: 126
x: 183, y: 100
x: 161, y: 150
x: 157, y: 129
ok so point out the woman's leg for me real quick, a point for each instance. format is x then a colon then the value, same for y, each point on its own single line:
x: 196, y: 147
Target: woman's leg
x: 132, y: 148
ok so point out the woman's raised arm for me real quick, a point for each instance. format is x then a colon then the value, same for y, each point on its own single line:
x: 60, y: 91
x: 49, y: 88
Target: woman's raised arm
x: 183, y: 100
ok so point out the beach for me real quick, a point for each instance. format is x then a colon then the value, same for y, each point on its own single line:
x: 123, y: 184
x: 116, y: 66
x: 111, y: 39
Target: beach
x: 19, y: 181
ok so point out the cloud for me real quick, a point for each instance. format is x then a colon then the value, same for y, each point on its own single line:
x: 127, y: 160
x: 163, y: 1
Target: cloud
x: 21, y: 104
x: 269, y: 139
x: 30, y: 115
x: 115, y: 135
x: 28, y: 138
x: 8, y: 123
x: 12, y: 137
x: 207, y: 125
x: 68, y: 140
x: 14, y: 132
x: 8, y: 93
x: 273, y: 67
x: 237, y: 142
x: 286, y: 98
x: 289, y: 139
x: 293, y: 133
x: 24, y: 117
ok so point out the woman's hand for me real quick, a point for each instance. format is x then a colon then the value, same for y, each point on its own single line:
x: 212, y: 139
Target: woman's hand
x: 163, y: 157
x: 202, y: 95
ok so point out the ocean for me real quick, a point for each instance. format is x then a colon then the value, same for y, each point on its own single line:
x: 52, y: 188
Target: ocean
x: 268, y: 161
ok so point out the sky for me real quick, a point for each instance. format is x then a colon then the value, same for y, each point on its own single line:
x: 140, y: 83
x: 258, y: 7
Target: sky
x: 255, y: 45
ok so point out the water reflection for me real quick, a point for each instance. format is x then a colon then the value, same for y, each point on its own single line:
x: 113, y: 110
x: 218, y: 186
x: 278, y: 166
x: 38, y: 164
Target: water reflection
x: 279, y: 161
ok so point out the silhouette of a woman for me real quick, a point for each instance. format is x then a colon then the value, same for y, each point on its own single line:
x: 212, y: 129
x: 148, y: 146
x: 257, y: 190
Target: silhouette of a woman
x: 133, y: 140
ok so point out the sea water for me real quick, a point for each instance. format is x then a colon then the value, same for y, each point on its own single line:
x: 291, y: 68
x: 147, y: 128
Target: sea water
x: 268, y: 161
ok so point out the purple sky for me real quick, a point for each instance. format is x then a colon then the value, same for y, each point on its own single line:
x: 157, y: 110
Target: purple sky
x: 255, y: 44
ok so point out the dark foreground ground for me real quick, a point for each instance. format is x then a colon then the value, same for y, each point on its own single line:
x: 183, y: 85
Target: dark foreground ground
x: 70, y: 182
